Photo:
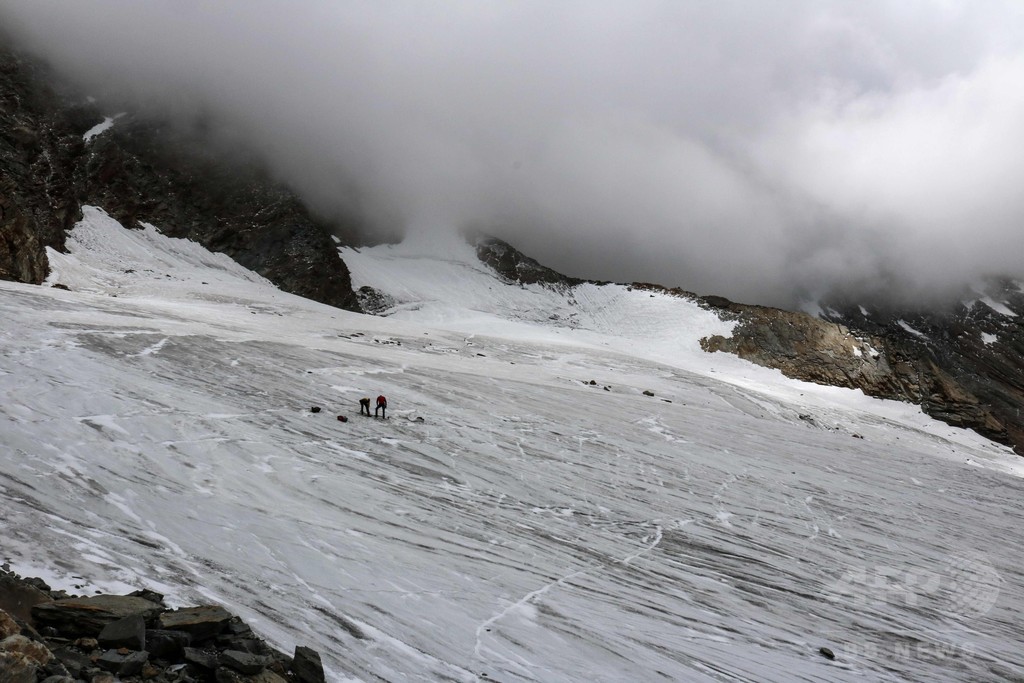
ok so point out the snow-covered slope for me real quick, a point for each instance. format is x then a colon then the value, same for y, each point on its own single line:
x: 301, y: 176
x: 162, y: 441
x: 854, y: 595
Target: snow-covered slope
x: 443, y: 284
x: 532, y: 526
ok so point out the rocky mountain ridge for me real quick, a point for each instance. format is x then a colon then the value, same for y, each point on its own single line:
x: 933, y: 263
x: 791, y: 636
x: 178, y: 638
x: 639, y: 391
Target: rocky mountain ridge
x: 977, y: 341
x: 947, y: 367
x: 888, y: 363
x: 58, y: 151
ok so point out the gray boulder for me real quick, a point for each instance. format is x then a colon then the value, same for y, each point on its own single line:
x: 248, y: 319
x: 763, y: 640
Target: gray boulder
x: 307, y: 665
x: 129, y: 632
x: 202, y: 623
x: 87, y: 616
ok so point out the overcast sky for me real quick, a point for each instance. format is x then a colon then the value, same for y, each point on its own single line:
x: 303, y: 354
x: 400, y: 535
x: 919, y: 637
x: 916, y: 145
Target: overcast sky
x: 756, y: 150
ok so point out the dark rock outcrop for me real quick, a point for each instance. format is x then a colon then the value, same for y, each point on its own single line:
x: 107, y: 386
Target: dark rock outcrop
x: 977, y: 341
x: 40, y: 137
x: 139, y: 170
x: 204, y: 644
x: 514, y: 266
x: 374, y: 301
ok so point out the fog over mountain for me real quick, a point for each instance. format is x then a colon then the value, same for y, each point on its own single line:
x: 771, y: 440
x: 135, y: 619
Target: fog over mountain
x: 758, y: 151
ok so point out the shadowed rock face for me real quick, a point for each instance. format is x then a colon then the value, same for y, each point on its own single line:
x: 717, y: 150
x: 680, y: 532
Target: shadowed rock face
x: 140, y: 171
x: 40, y: 138
x: 516, y: 267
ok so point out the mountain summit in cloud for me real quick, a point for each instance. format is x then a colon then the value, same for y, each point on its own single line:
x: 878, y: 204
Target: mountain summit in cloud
x: 762, y: 152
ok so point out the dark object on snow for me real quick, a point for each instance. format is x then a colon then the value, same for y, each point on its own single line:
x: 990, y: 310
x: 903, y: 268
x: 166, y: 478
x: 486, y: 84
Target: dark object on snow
x: 342, y: 418
x: 364, y: 406
x: 382, y: 407
x: 648, y: 393
x: 315, y: 409
x: 825, y: 652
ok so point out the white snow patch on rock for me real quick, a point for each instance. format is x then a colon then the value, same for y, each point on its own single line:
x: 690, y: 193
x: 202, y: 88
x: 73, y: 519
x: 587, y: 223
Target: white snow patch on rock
x: 906, y: 326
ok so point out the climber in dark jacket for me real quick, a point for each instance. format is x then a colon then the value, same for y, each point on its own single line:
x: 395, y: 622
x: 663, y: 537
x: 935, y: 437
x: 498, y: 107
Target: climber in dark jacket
x: 382, y: 407
x: 364, y: 406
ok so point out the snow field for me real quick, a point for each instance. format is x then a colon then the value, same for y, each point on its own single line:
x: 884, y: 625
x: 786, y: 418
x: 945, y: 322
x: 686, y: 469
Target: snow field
x: 531, y: 527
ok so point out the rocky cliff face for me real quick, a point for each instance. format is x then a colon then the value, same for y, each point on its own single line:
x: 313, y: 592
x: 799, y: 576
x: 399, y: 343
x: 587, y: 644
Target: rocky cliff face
x: 40, y: 136
x: 515, y: 266
x: 978, y: 342
x: 883, y: 365
x: 141, y: 171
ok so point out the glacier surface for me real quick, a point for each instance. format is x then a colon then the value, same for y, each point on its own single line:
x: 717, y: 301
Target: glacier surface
x: 526, y: 513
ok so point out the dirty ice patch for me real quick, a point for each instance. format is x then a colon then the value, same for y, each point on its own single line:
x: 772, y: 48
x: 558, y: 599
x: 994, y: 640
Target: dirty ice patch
x: 987, y: 338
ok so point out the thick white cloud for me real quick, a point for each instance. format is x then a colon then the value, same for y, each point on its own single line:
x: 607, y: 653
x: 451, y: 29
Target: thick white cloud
x: 755, y: 150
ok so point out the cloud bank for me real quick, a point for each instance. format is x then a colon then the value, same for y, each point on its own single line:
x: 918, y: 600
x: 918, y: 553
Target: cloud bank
x: 760, y: 151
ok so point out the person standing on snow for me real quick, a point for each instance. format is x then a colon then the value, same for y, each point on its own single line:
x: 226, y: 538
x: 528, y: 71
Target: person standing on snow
x: 382, y: 407
x: 364, y: 406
